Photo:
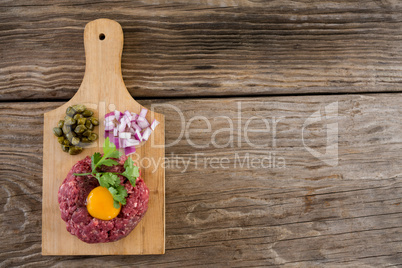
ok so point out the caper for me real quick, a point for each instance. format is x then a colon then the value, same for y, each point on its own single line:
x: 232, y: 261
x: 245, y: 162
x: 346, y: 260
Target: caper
x: 79, y: 108
x: 70, y: 136
x: 80, y: 129
x: 57, y: 132
x: 65, y: 148
x: 76, y: 129
x: 84, y: 142
x: 87, y: 133
x: 60, y: 124
x: 81, y: 121
x: 60, y: 139
x: 89, y: 125
x: 75, y: 141
x: 94, y: 121
x: 69, y: 121
x: 70, y: 111
x: 93, y: 137
x: 66, y: 129
x: 78, y: 116
x: 87, y: 113
x: 75, y: 150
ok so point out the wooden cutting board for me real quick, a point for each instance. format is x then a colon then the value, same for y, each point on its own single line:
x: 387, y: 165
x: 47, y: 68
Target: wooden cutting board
x: 103, y: 90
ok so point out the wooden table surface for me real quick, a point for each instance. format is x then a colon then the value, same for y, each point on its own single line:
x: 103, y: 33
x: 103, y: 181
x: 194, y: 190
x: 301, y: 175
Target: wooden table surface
x: 291, y: 72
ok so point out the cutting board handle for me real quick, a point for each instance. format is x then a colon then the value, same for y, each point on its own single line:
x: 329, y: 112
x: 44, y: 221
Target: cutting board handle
x: 103, y: 40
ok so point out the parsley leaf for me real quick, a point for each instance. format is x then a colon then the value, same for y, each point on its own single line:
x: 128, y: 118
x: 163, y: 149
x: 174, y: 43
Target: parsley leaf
x: 108, y: 179
x: 111, y: 180
x: 109, y: 162
x: 131, y: 172
x: 109, y: 150
x: 119, y: 194
x: 95, y: 160
x: 98, y: 177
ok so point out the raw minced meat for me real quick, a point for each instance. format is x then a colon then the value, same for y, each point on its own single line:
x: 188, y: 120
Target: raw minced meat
x: 72, y: 200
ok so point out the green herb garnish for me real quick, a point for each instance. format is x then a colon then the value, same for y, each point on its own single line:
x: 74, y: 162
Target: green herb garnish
x: 110, y: 180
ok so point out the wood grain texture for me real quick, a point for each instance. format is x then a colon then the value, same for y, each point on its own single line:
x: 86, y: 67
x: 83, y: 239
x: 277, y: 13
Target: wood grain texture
x: 307, y: 214
x: 101, y: 89
x: 206, y: 48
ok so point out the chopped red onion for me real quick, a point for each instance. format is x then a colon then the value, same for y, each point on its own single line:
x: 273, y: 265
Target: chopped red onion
x: 124, y: 135
x: 109, y: 119
x: 142, y: 122
x: 138, y: 135
x: 118, y: 115
x: 109, y: 126
x: 146, y: 133
x: 154, y: 124
x: 131, y: 142
x: 129, y: 150
x: 127, y: 114
x: 143, y: 113
x: 135, y: 126
x: 134, y: 116
x: 126, y: 130
x: 121, y: 143
x: 109, y: 115
x: 122, y: 126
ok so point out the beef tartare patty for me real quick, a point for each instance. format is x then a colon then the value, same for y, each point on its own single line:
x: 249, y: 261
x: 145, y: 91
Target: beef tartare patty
x: 72, y: 200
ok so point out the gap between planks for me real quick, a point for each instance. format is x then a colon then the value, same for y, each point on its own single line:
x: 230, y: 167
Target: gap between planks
x: 226, y: 96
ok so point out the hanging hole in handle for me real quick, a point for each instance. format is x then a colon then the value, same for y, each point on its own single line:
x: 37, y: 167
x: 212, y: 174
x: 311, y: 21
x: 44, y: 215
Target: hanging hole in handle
x: 102, y: 36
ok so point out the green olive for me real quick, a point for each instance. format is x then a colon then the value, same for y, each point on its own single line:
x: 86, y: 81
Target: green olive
x: 60, y: 140
x: 94, y: 121
x: 57, y: 132
x: 75, y: 150
x: 65, y: 148
x: 78, y: 116
x: 79, y: 108
x: 80, y: 129
x: 60, y: 124
x: 87, y: 133
x: 69, y: 121
x: 87, y: 113
x: 85, y: 140
x: 93, y: 137
x: 66, y: 142
x: 81, y: 121
x: 70, y: 111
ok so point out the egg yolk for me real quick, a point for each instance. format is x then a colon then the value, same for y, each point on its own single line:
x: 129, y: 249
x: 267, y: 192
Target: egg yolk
x: 100, y: 204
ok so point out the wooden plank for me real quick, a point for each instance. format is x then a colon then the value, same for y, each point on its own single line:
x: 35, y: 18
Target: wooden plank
x: 102, y: 90
x: 209, y: 48
x: 308, y: 214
